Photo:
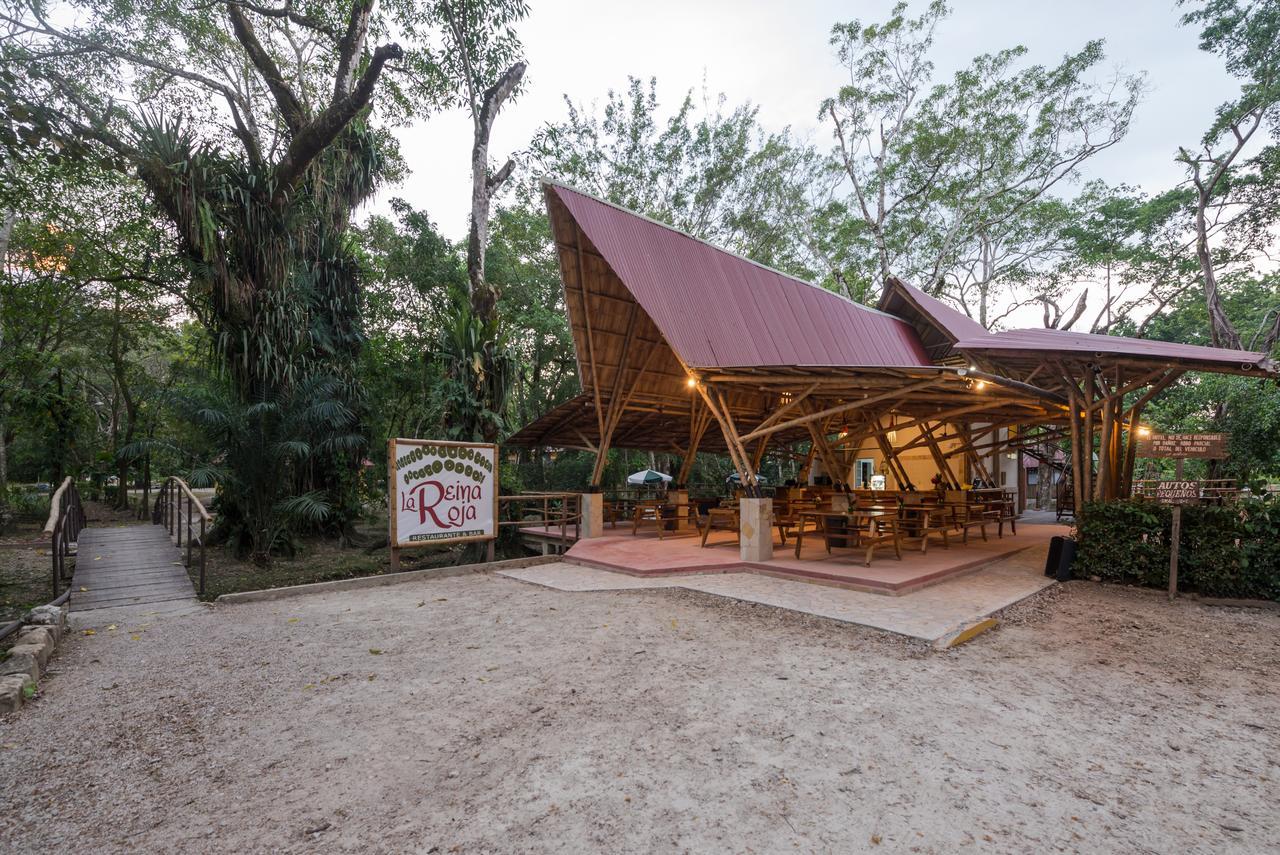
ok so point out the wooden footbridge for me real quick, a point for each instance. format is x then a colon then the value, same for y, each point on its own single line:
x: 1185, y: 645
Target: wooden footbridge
x: 131, y: 570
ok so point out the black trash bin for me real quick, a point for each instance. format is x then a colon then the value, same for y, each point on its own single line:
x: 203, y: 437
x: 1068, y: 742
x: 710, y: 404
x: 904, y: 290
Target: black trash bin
x: 1062, y: 552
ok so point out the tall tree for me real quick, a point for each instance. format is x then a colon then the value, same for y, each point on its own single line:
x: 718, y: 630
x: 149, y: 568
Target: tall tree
x: 705, y: 169
x: 943, y: 172
x: 482, y: 68
x: 1234, y: 197
x: 253, y: 137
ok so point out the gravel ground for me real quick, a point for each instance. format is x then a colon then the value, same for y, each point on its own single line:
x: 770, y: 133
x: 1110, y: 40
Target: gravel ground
x: 480, y: 714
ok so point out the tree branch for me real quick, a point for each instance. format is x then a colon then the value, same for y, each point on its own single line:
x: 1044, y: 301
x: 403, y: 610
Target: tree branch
x: 350, y: 46
x: 307, y: 144
x: 288, y: 12
x: 290, y: 109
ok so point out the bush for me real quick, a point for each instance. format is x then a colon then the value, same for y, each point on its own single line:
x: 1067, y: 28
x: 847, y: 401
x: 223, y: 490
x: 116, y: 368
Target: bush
x: 25, y: 502
x: 1227, y: 551
x: 1124, y: 542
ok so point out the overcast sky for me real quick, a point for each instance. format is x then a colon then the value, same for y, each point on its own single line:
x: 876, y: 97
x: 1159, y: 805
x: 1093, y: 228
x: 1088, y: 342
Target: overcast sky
x: 776, y: 55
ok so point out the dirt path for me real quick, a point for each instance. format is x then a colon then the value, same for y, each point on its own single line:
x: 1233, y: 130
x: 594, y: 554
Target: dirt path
x: 482, y: 714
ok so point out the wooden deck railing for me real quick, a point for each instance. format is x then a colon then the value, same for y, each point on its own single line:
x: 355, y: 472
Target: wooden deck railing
x: 546, y: 511
x: 66, y: 520
x: 169, y: 512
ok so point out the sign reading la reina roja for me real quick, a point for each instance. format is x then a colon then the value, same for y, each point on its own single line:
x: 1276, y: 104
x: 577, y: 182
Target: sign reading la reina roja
x: 442, y: 492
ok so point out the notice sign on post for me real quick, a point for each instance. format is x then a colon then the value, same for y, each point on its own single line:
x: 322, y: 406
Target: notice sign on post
x: 1178, y: 492
x: 1183, y: 445
x: 441, y: 492
x: 1180, y: 446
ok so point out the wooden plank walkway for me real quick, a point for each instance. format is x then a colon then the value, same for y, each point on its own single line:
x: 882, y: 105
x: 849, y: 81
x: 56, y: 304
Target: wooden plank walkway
x: 128, y: 566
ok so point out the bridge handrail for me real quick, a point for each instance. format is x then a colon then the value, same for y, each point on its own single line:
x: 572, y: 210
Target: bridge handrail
x: 55, y: 503
x: 66, y: 520
x: 169, y: 512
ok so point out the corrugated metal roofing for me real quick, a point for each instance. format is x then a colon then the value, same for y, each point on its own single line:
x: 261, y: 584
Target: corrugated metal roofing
x: 1111, y: 345
x: 718, y: 310
x: 956, y: 324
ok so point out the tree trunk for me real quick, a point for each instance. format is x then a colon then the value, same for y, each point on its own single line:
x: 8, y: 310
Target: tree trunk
x: 1220, y: 326
x: 6, y: 229
x: 484, y: 186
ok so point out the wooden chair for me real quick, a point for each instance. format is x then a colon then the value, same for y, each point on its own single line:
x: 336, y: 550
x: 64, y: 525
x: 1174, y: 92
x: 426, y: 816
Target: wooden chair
x: 1008, y: 513
x: 885, y: 530
x: 787, y: 517
x: 649, y: 511
x: 615, y: 510
x: 969, y: 516
x: 722, y: 518
x: 921, y: 521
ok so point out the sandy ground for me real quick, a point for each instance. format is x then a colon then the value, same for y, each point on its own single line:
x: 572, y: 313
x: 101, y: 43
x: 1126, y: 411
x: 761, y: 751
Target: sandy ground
x: 483, y: 714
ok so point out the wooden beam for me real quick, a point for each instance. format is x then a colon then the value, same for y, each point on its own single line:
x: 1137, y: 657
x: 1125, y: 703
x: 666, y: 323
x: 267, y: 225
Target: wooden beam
x: 586, y: 319
x: 787, y: 407
x: 841, y: 408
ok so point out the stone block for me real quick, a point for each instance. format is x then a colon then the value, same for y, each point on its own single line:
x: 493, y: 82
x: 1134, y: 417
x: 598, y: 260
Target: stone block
x: 592, y: 515
x: 756, y: 529
x: 47, y: 616
x: 39, y: 636
x: 53, y: 617
x: 22, y: 659
x: 13, y: 691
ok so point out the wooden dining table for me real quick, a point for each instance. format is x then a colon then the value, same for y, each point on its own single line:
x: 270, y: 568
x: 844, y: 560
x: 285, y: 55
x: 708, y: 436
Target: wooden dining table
x: 872, y: 516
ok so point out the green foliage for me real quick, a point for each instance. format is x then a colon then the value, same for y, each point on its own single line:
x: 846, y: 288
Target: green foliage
x: 708, y: 171
x: 944, y: 178
x: 1227, y: 551
x: 25, y: 502
x: 1123, y: 542
x: 478, y: 370
x: 264, y: 454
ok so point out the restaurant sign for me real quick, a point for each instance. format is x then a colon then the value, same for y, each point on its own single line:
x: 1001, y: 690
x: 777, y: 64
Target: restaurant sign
x: 1178, y: 492
x: 1183, y: 445
x: 442, y: 492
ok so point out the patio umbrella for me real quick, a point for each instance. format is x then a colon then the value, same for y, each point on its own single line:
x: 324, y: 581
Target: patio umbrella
x: 647, y: 476
x: 736, y: 478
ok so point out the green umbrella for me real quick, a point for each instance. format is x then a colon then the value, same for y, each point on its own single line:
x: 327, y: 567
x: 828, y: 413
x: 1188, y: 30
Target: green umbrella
x: 647, y: 476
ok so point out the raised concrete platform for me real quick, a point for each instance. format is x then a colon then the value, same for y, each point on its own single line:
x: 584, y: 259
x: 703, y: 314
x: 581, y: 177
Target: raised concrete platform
x: 937, y: 612
x: 645, y: 555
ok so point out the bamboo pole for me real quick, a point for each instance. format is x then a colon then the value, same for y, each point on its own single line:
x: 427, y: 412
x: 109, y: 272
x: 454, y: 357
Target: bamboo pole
x: 591, y: 347
x: 1077, y: 465
x: 841, y: 408
x: 1088, y: 434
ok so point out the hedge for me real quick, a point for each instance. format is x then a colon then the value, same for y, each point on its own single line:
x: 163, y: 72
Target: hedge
x: 1227, y: 551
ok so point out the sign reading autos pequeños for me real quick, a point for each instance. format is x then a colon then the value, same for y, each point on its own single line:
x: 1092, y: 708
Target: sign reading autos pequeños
x: 442, y: 492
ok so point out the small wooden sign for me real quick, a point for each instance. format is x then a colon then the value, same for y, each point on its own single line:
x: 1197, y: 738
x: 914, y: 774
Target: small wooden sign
x: 1183, y: 445
x: 1178, y: 492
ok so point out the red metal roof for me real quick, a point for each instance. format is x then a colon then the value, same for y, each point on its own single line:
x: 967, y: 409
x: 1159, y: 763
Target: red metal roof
x: 954, y: 323
x: 1065, y: 341
x: 718, y: 310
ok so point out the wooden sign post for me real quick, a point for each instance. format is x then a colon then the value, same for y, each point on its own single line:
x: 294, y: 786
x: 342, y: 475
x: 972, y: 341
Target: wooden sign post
x: 1179, y: 492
